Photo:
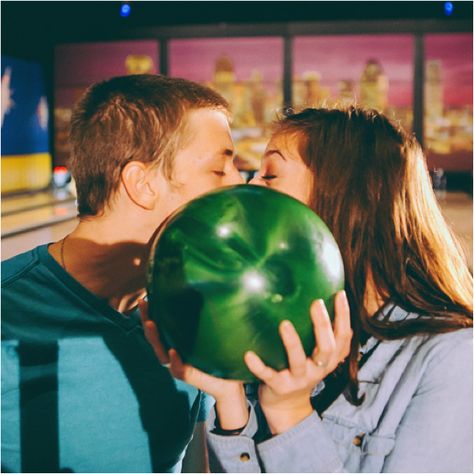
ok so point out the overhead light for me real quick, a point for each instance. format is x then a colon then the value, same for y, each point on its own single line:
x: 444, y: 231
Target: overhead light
x: 125, y: 10
x: 448, y: 8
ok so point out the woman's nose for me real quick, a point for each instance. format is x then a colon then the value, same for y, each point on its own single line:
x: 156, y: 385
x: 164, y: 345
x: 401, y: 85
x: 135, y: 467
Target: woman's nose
x: 256, y: 180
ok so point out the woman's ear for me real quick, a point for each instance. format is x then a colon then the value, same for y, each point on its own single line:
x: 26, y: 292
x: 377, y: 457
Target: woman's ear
x: 140, y: 183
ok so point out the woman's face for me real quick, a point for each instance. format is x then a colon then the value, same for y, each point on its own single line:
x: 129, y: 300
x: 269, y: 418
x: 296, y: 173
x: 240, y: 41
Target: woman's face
x: 283, y: 168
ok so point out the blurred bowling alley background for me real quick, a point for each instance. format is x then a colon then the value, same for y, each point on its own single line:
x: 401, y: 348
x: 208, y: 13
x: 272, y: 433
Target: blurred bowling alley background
x: 411, y: 60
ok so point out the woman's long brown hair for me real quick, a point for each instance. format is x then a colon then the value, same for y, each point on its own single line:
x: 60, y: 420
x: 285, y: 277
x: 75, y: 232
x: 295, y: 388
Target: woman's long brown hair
x: 373, y: 190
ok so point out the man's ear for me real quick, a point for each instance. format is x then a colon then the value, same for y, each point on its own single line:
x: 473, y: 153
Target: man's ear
x: 139, y: 180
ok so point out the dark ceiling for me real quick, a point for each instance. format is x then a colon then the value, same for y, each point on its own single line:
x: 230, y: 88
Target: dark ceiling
x: 29, y: 28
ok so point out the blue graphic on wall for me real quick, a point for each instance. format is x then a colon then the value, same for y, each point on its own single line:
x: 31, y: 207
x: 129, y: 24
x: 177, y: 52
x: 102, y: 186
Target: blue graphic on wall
x: 25, y: 113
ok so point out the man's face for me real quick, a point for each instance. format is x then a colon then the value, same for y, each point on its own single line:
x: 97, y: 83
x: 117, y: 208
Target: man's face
x: 205, y: 162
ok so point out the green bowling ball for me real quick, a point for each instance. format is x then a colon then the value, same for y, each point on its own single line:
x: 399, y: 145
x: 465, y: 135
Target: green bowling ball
x: 228, y: 267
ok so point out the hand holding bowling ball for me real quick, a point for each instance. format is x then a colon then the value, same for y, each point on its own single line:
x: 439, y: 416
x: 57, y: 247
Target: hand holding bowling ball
x: 228, y: 267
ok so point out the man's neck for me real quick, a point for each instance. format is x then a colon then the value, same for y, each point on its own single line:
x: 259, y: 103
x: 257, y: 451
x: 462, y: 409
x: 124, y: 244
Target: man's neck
x: 107, y: 260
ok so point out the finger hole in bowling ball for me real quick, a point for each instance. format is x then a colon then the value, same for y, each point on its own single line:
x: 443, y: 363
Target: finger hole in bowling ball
x: 281, y: 279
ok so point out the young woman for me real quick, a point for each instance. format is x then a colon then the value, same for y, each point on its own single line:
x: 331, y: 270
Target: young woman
x: 402, y: 399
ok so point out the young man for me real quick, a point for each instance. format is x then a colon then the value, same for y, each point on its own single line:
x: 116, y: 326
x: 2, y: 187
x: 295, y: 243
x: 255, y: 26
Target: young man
x: 82, y: 390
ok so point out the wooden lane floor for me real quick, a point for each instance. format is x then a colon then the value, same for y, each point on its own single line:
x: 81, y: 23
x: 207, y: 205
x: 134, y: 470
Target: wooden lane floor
x: 20, y: 243
x: 34, y: 200
x: 457, y: 210
x: 32, y: 219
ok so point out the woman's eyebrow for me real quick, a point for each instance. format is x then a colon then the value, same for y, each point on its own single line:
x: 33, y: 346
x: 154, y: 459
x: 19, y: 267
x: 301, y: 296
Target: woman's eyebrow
x: 272, y: 152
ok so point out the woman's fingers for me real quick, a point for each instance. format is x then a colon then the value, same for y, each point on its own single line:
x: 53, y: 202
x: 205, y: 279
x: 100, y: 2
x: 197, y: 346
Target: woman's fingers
x: 186, y: 372
x: 294, y: 349
x: 177, y: 368
x: 258, y: 368
x: 325, y: 341
x: 199, y: 379
x: 153, y: 337
x: 143, y: 308
x: 151, y: 333
x: 342, y: 325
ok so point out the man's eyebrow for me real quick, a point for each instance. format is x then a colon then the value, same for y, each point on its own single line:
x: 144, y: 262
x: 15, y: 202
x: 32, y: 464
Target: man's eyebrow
x: 274, y: 151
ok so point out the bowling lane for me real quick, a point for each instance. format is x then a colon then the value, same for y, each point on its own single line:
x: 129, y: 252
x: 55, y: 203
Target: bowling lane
x: 36, y: 218
x: 457, y: 209
x: 23, y: 202
x: 19, y: 243
x: 30, y: 219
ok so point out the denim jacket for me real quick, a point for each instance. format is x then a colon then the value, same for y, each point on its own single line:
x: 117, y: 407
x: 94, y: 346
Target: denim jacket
x: 416, y: 417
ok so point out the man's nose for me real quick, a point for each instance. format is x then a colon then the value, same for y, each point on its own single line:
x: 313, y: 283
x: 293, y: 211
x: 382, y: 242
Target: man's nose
x: 235, y: 177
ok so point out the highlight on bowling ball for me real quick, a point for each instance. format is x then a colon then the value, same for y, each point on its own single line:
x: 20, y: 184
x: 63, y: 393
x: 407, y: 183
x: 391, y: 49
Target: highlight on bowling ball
x: 228, y: 267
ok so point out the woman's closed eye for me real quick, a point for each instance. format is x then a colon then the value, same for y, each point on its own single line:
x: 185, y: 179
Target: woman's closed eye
x: 268, y: 177
x: 219, y: 173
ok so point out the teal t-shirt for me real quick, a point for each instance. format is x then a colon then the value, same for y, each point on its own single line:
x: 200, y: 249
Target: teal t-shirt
x: 82, y: 390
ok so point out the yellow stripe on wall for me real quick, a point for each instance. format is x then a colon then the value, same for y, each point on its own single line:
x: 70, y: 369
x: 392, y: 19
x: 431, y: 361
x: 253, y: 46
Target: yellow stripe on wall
x: 26, y: 172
